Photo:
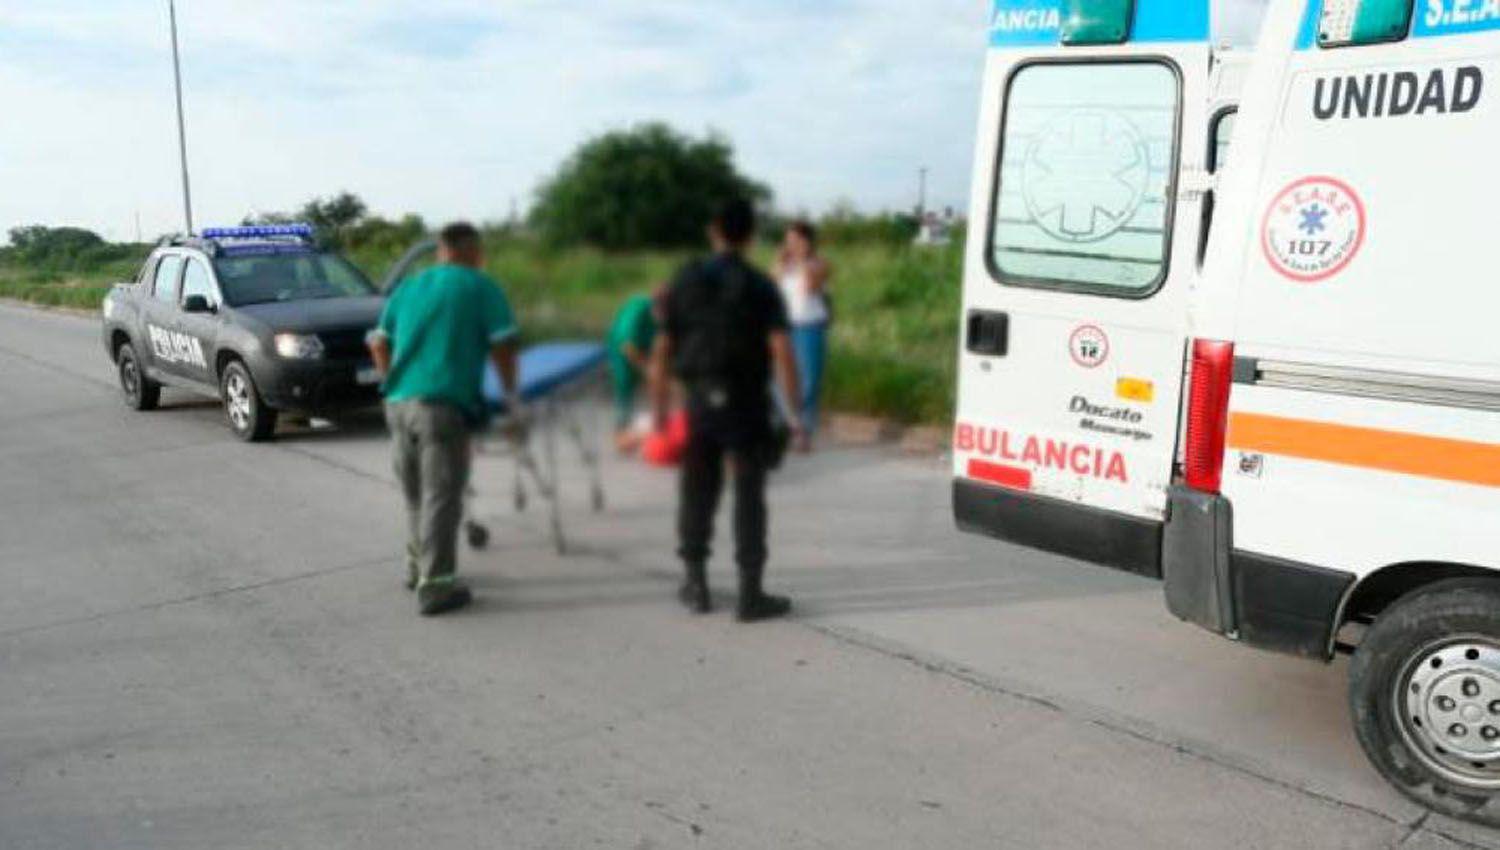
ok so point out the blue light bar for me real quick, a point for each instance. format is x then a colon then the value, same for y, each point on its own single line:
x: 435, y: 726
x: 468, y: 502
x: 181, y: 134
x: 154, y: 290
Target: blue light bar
x: 265, y: 249
x: 260, y: 231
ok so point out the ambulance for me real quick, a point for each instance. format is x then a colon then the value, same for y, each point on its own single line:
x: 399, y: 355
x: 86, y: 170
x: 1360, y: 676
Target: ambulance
x: 1232, y: 320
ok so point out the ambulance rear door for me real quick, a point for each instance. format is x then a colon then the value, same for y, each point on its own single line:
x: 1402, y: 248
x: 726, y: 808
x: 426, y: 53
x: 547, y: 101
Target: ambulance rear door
x: 1090, y: 177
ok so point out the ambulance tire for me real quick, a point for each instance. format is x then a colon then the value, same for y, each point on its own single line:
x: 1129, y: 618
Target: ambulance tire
x: 1396, y: 670
x: 248, y: 415
x: 141, y: 393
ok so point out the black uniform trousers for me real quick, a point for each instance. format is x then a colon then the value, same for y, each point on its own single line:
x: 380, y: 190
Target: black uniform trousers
x: 743, y: 437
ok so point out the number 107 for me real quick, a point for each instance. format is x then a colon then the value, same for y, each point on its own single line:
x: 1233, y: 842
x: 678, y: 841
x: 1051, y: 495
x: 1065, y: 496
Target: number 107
x: 1309, y: 247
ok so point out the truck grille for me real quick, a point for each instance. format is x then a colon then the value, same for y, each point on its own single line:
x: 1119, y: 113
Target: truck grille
x: 344, y: 345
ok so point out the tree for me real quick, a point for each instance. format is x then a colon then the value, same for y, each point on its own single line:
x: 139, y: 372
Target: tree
x: 332, y: 217
x: 37, y: 242
x: 646, y: 187
x: 60, y: 248
x: 383, y: 235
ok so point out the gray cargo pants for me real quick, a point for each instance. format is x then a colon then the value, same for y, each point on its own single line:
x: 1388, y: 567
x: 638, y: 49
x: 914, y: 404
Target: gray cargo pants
x: 432, y: 457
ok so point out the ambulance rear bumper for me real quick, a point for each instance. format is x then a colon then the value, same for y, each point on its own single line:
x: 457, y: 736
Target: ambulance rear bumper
x: 1267, y: 602
x: 1067, y: 528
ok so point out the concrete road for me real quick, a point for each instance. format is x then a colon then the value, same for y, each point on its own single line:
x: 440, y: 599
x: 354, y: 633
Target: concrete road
x: 206, y: 644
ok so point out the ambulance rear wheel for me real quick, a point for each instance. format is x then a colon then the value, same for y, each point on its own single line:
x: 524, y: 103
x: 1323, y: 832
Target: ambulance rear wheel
x: 141, y: 393
x: 249, y: 417
x: 1424, y: 691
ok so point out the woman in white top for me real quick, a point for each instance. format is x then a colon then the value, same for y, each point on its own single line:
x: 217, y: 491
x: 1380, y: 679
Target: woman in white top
x: 803, y: 276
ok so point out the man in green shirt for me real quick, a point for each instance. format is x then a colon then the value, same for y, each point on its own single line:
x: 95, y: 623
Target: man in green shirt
x: 436, y: 333
x: 630, y: 339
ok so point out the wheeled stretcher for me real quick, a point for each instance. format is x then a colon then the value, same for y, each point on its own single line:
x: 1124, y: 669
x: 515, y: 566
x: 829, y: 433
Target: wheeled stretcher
x: 557, y: 380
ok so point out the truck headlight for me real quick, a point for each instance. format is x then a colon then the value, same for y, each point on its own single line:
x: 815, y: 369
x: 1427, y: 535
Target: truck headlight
x: 109, y: 306
x: 299, y: 346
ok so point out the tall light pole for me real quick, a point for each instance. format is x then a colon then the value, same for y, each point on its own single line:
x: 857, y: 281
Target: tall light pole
x: 187, y: 192
x: 922, y: 192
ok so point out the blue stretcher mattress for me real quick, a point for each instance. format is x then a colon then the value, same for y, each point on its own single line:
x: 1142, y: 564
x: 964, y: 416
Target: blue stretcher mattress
x: 544, y: 369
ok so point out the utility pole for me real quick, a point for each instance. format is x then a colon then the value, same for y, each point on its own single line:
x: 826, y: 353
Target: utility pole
x: 187, y: 192
x: 922, y: 192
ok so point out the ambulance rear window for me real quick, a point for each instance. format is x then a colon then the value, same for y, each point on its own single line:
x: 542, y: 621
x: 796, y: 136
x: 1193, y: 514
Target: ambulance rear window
x: 1085, y: 177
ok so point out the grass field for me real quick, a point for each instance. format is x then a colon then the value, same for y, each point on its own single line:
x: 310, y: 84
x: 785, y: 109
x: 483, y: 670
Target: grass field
x: 84, y: 290
x: 892, y: 352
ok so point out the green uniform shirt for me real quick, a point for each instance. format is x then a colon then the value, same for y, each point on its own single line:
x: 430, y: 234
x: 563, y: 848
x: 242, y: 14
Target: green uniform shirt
x: 442, y: 325
x: 633, y: 325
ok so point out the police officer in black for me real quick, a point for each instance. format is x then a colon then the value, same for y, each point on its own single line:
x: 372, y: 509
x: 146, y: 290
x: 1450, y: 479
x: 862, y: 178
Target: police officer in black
x: 724, y: 328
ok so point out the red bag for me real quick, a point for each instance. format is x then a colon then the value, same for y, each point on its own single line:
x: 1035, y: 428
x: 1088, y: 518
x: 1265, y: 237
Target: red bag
x: 665, y: 447
x: 677, y: 429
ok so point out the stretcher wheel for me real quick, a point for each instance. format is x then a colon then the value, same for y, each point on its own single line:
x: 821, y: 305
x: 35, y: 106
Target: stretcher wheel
x: 478, y: 535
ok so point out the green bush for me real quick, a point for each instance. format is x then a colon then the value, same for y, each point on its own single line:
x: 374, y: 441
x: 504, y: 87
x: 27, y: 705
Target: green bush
x: 649, y: 187
x: 846, y: 227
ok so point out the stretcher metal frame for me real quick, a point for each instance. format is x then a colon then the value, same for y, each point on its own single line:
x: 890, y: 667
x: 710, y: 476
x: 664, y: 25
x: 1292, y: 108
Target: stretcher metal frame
x: 554, y: 400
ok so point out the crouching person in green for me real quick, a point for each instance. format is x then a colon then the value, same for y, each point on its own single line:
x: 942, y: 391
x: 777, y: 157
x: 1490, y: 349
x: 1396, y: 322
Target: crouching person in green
x: 631, y: 337
x: 436, y: 333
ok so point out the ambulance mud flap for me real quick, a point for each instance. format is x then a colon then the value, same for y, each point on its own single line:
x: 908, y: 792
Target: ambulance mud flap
x: 1195, y: 559
x: 1067, y: 528
x: 1266, y: 602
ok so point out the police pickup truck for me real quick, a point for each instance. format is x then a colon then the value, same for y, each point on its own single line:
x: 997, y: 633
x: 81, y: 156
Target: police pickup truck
x: 257, y: 317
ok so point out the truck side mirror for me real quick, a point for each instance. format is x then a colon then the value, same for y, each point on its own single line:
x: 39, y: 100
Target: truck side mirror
x: 196, y: 304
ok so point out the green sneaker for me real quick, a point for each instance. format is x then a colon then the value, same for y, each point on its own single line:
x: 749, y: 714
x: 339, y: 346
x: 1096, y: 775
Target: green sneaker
x: 440, y: 595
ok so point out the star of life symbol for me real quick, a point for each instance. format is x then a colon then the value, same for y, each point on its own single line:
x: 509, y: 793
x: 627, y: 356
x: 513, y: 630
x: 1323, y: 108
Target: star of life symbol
x: 1312, y: 220
x: 1313, y: 229
x: 1085, y: 175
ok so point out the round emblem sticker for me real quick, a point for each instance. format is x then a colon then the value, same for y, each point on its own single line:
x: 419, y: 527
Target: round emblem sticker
x: 1313, y: 229
x: 1089, y: 346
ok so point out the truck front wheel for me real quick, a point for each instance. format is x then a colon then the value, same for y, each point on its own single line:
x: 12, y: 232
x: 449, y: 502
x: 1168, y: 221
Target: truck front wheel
x: 1424, y: 691
x: 249, y: 417
x: 141, y: 393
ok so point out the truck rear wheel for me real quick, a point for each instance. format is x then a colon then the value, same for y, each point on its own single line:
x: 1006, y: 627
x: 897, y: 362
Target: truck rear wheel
x: 249, y: 417
x: 141, y: 393
x: 1424, y: 691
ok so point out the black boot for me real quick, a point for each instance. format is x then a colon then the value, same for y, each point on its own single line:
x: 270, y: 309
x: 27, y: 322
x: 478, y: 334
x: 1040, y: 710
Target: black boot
x: 755, y: 604
x: 694, y: 591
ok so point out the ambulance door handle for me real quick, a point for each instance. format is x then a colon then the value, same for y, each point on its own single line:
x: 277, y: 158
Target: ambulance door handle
x: 987, y: 333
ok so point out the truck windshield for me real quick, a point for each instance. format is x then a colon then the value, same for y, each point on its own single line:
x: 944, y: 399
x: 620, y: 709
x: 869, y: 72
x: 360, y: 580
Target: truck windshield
x: 263, y: 278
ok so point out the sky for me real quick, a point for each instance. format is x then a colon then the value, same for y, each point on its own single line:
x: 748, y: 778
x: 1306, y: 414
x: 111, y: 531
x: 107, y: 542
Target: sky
x: 460, y: 108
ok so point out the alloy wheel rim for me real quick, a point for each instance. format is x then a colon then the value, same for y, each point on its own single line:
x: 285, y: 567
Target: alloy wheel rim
x: 130, y: 379
x: 1448, y: 701
x: 237, y: 401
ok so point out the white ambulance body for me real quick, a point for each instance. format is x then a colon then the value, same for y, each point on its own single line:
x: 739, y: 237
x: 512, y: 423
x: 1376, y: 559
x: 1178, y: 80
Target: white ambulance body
x: 1276, y: 386
x: 1090, y: 212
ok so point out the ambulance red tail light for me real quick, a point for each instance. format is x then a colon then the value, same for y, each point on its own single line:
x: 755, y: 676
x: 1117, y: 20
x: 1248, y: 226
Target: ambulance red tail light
x: 1208, y: 414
